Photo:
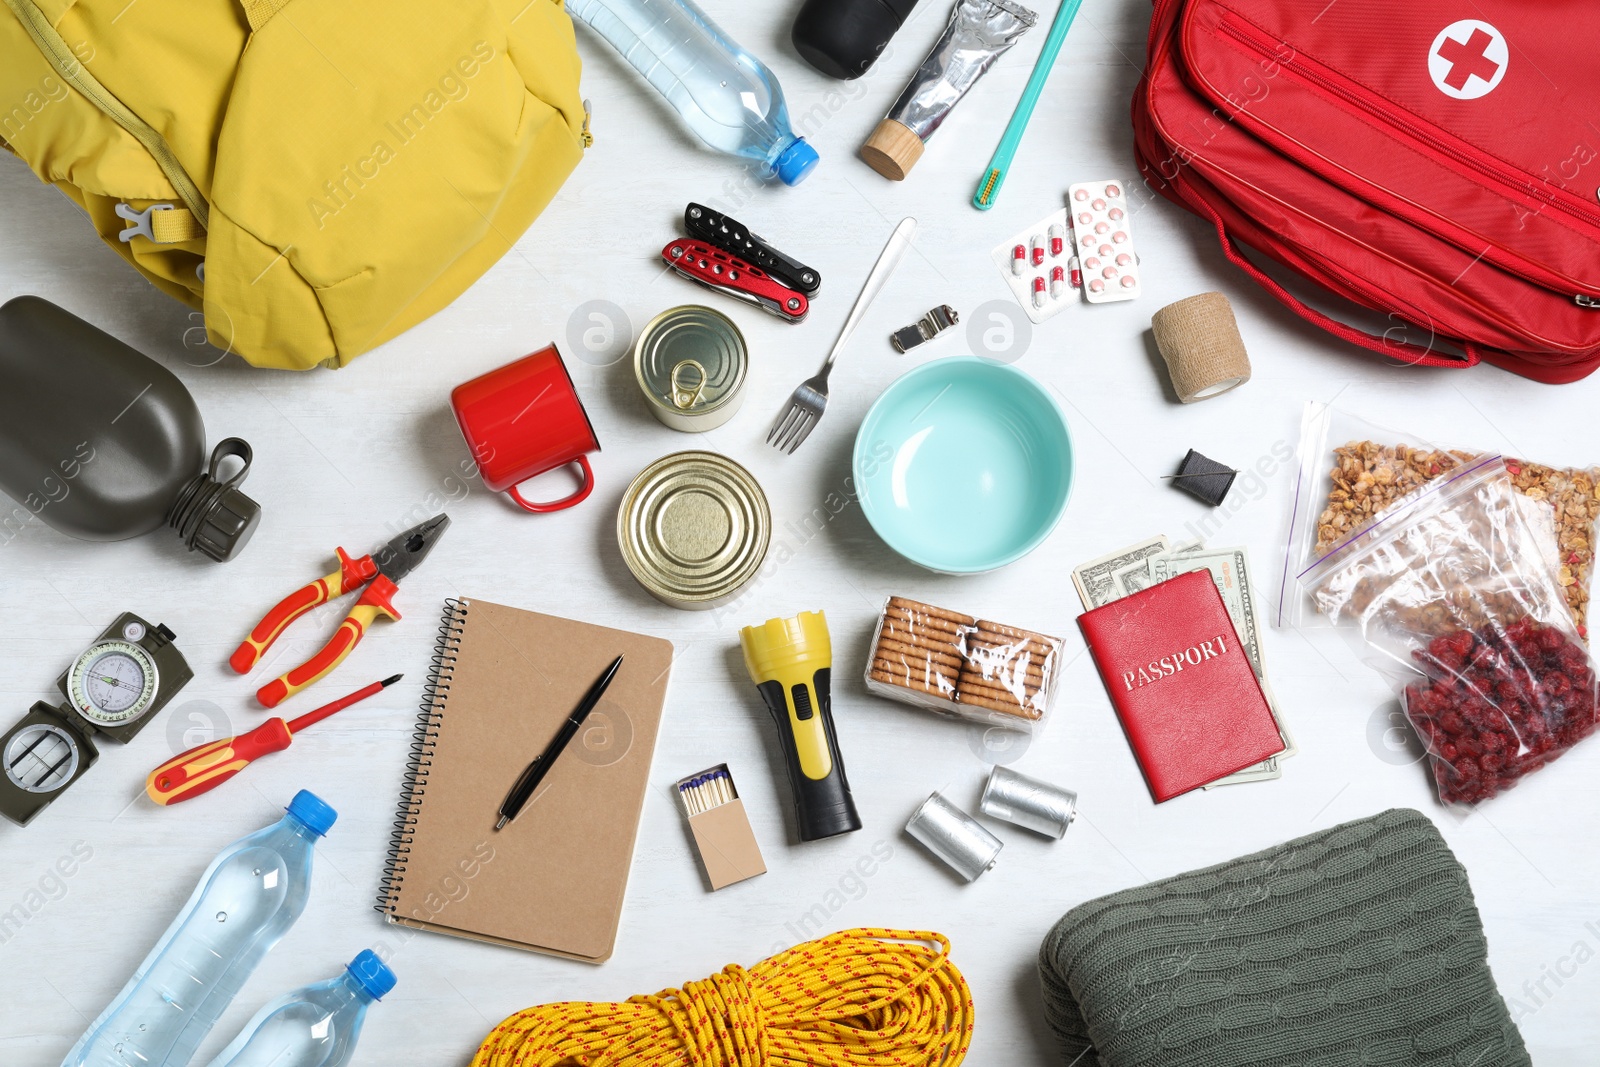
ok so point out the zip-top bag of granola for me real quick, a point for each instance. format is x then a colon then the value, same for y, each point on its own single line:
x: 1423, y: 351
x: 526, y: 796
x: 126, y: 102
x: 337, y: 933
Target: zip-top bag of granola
x: 1352, y: 471
x: 1452, y: 590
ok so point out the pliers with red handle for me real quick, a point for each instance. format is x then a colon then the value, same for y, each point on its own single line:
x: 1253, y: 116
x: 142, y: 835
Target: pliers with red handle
x: 383, y: 570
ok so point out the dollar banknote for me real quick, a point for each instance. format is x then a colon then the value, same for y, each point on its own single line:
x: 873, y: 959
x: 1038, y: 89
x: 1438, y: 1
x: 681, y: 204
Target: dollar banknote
x: 1096, y: 580
x: 1130, y: 580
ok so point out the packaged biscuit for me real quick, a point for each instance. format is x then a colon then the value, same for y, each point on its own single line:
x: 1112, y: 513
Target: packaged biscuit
x: 962, y: 666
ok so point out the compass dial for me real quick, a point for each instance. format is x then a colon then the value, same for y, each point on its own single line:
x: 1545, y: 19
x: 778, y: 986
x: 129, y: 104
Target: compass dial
x: 113, y: 683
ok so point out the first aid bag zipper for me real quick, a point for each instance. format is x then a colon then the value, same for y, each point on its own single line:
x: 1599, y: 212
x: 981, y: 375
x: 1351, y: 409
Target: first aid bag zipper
x: 1516, y: 180
x: 1518, y: 183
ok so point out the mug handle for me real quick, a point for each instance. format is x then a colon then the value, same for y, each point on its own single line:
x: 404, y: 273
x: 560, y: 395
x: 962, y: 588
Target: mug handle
x: 577, y: 497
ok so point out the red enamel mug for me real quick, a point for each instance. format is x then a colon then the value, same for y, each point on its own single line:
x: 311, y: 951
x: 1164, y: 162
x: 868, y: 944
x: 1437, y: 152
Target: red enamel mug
x: 524, y: 419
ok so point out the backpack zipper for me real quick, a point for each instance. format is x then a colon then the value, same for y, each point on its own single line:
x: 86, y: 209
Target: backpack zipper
x: 60, y: 56
x: 1517, y: 180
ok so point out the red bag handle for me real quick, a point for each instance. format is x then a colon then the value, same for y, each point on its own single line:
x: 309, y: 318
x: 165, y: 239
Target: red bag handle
x: 1423, y: 356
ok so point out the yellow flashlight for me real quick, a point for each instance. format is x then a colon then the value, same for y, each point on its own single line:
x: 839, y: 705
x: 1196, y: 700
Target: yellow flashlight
x: 790, y: 661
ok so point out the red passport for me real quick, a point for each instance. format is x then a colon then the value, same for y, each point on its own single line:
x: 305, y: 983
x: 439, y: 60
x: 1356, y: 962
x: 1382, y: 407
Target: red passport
x: 1181, y: 683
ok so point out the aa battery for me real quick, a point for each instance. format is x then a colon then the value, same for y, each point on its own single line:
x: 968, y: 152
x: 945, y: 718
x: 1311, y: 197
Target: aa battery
x: 954, y: 836
x: 1028, y: 802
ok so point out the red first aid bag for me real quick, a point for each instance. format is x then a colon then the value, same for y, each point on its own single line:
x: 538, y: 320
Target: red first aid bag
x: 1437, y: 160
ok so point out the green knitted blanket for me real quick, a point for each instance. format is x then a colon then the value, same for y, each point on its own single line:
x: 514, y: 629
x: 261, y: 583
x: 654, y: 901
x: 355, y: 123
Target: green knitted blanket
x: 1352, y: 947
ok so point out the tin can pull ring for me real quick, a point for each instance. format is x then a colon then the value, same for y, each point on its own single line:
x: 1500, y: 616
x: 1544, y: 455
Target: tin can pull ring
x: 683, y: 398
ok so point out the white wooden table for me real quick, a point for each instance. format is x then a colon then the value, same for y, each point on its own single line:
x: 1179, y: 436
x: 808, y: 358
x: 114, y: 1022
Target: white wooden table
x: 345, y: 457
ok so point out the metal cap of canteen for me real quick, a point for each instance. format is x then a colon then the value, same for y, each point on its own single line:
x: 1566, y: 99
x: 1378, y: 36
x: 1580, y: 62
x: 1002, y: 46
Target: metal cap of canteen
x: 212, y: 514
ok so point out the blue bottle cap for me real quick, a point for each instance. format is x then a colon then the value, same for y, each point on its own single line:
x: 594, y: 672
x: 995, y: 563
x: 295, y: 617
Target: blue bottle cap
x: 796, y: 161
x: 313, y: 811
x: 371, y: 972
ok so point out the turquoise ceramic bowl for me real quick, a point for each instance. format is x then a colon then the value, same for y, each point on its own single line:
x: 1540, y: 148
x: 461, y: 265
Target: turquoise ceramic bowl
x: 963, y: 465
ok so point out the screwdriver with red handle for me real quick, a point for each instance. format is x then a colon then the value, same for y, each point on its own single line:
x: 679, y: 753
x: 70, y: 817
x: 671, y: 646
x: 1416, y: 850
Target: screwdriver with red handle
x: 203, y: 768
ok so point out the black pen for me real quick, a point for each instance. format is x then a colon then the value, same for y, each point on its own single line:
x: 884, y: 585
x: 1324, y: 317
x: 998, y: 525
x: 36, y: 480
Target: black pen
x: 535, y: 772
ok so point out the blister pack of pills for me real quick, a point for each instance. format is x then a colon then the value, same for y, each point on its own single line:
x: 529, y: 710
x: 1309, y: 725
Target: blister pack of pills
x: 1036, y: 264
x: 1103, y: 241
x: 1087, y: 245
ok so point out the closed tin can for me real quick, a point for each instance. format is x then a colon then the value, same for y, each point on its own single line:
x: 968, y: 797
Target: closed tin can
x: 694, y: 529
x: 954, y: 836
x: 690, y: 363
x: 1027, y: 802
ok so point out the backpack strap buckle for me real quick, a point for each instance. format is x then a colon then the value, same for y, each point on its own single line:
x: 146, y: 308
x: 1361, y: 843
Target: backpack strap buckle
x: 141, y: 221
x: 162, y: 224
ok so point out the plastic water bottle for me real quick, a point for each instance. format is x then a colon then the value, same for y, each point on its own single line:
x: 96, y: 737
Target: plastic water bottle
x: 316, y: 1025
x: 248, y: 898
x: 727, y: 96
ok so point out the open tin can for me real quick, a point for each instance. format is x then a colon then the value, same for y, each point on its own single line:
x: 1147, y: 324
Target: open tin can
x: 694, y: 529
x: 690, y: 363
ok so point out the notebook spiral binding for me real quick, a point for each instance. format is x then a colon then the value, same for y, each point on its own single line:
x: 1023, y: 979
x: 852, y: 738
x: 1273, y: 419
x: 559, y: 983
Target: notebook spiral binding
x: 415, y: 781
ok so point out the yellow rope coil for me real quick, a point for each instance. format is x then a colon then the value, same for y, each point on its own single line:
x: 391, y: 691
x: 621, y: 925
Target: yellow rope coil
x: 857, y: 998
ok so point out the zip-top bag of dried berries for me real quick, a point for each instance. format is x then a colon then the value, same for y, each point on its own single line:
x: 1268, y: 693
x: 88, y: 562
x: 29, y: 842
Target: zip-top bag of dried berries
x: 1351, y: 472
x: 1453, y: 590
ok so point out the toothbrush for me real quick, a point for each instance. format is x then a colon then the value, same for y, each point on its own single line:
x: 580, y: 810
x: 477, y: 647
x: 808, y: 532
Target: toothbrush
x: 989, y: 187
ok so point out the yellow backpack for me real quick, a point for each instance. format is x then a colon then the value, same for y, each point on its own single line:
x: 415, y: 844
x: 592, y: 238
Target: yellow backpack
x: 317, y: 176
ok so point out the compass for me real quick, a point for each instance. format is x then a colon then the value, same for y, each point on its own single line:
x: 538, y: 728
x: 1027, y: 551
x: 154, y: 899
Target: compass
x: 113, y: 682
x: 116, y: 685
x: 113, y: 689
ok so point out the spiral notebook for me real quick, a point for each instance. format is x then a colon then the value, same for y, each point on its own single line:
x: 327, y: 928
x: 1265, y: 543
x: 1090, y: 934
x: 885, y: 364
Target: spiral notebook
x: 501, y: 682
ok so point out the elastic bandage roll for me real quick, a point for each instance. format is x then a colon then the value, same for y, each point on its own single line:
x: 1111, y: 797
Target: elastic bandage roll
x: 1199, y: 339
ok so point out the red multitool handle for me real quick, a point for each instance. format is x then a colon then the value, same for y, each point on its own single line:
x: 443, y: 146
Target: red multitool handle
x: 374, y: 602
x: 352, y: 573
x: 205, y: 767
x: 716, y: 268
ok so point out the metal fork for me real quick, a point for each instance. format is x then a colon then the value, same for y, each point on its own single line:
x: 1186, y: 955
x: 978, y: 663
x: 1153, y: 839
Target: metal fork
x: 796, y: 421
